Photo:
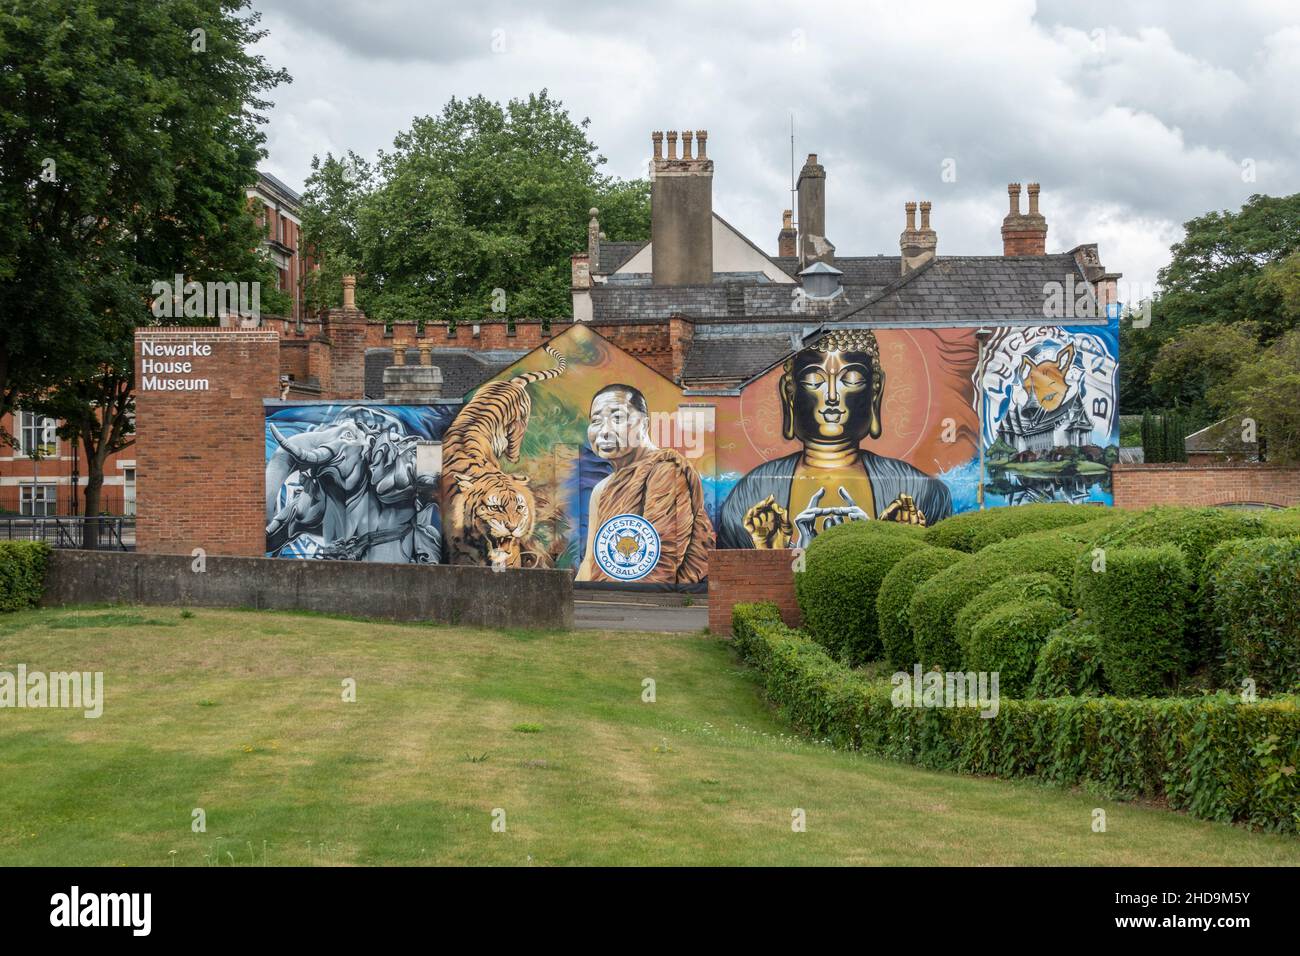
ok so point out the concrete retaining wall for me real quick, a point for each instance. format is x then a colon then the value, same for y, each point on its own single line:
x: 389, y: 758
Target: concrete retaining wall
x: 399, y: 592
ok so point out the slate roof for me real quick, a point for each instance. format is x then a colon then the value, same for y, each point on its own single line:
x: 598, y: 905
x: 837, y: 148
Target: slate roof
x: 1223, y: 438
x: 462, y: 369
x: 878, y: 271
x: 964, y: 289
x: 734, y: 352
x: 614, y: 254
x: 618, y: 301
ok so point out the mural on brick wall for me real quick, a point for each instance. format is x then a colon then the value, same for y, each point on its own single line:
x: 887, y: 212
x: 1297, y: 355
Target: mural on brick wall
x: 1051, y: 425
x: 581, y: 456
x: 350, y: 482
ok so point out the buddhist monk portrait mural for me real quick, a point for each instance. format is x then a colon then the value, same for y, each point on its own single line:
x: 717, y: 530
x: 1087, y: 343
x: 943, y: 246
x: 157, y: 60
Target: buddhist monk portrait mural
x: 832, y: 393
x: 669, y: 544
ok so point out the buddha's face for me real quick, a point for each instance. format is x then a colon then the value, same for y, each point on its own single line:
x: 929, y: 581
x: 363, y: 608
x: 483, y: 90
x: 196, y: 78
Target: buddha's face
x: 832, y: 397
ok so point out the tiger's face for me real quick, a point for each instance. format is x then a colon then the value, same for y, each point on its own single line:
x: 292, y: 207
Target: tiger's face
x: 498, y: 513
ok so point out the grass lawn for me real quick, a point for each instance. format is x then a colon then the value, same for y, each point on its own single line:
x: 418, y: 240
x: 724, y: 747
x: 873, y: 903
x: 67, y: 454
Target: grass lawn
x: 240, y: 713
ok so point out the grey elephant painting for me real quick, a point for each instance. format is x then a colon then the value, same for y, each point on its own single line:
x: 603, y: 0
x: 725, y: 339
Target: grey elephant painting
x: 355, y: 482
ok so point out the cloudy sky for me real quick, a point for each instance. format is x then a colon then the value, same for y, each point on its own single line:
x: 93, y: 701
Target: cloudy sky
x: 1134, y: 116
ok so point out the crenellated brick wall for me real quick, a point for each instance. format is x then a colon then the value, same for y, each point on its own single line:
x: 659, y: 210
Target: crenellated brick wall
x: 744, y: 576
x: 1204, y: 485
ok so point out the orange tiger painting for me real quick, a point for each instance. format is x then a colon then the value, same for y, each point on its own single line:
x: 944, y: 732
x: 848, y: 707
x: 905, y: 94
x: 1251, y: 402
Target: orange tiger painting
x: 488, y: 514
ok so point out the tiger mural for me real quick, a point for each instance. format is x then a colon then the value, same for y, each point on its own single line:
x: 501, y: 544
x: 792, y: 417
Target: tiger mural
x: 488, y: 515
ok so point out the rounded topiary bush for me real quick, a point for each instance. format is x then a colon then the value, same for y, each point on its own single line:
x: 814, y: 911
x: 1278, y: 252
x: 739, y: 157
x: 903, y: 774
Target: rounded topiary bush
x: 1002, y: 524
x: 843, y: 570
x: 1283, y: 523
x: 895, y: 597
x: 934, y: 608
x: 956, y: 532
x: 1007, y: 641
x: 1017, y: 587
x: 1139, y: 605
x: 1195, y: 531
x: 1069, y: 664
x: 1255, y: 593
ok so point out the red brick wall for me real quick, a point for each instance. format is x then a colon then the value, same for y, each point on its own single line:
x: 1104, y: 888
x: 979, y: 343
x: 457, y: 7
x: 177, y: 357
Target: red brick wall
x: 742, y: 576
x: 1140, y: 486
x: 345, y: 375
x: 200, y: 455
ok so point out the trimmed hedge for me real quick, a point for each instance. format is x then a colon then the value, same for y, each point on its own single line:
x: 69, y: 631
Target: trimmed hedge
x: 1139, y: 606
x: 895, y: 598
x: 22, y: 573
x: 938, y: 601
x: 1002, y: 524
x: 1007, y: 640
x: 1196, y: 531
x: 1256, y: 611
x: 1069, y: 664
x: 957, y: 532
x: 1284, y: 523
x: 844, y: 568
x: 971, y: 531
x: 1018, y: 587
x: 1216, y: 757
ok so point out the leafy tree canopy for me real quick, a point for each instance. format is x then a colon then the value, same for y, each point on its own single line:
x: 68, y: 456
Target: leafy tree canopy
x: 129, y: 133
x: 1230, y: 268
x: 482, y: 197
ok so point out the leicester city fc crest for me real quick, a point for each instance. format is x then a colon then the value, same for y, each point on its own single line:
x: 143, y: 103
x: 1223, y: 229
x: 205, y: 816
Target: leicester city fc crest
x: 627, y: 547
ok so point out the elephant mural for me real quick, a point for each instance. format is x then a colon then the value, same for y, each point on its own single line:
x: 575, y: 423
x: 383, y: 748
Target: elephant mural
x: 348, y: 487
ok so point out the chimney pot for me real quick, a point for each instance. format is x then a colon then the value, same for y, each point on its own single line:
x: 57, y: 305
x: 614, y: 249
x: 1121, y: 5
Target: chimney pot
x: 1024, y: 234
x: 701, y: 137
x: 910, y: 208
x: 350, y: 293
x: 657, y: 138
x: 925, y: 216
x: 681, y: 213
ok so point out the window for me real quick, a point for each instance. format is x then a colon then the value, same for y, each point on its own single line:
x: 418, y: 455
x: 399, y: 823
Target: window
x: 36, y: 436
x: 37, y: 500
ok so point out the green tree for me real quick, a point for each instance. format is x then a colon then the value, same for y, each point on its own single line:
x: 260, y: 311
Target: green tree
x: 1264, y: 389
x: 150, y: 114
x: 481, y: 198
x: 1230, y: 267
x: 1200, y: 357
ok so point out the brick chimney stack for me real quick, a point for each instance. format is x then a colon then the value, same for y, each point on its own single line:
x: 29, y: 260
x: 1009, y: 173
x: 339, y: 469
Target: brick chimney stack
x: 681, y: 210
x: 917, y: 246
x: 787, y: 238
x: 813, y: 244
x: 1024, y: 234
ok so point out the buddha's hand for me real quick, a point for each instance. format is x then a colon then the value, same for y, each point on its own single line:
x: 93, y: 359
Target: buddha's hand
x: 768, y: 525
x: 903, y: 509
x: 805, y: 522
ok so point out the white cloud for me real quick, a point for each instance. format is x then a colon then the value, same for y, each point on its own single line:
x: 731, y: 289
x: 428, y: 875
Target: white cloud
x: 1134, y: 116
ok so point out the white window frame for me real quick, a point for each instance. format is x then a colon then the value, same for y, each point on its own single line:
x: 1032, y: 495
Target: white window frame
x: 30, y: 425
x: 48, y: 498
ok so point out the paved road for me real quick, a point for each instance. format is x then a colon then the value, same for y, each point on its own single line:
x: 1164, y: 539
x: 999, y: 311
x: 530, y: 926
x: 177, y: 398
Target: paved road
x: 629, y: 615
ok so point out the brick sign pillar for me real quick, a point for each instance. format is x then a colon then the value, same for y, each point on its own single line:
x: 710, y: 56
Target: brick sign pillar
x: 200, y: 446
x: 744, y: 576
